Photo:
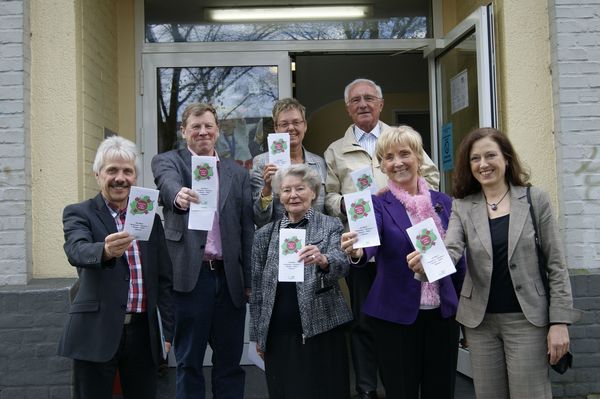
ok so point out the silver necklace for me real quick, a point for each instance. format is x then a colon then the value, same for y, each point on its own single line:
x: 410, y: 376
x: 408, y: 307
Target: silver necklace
x: 494, y: 205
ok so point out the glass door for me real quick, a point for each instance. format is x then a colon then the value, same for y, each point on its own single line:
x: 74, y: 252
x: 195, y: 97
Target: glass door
x: 463, y: 76
x: 243, y: 87
x: 463, y: 97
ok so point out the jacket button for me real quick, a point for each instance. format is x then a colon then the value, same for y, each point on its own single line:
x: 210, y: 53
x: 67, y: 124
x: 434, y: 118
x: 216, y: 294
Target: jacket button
x: 512, y: 266
x: 123, y: 306
x: 518, y: 288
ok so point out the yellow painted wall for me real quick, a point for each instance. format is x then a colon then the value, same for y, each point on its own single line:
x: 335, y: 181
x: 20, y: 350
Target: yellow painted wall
x: 126, y: 68
x: 524, y: 81
x: 56, y: 153
x: 74, y: 96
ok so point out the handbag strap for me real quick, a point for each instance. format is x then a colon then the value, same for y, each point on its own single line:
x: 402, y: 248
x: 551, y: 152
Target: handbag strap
x: 538, y: 247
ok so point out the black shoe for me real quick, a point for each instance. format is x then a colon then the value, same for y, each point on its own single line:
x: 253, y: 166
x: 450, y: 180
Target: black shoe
x: 367, y: 395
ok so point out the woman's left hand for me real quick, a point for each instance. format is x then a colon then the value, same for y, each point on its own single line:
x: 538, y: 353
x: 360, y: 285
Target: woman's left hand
x: 558, y: 342
x: 311, y: 255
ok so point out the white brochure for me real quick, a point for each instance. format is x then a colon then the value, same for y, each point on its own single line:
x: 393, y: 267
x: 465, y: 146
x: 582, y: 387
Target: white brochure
x: 363, y: 179
x: 254, y: 357
x: 291, y: 241
x: 361, y: 218
x: 141, y: 209
x: 205, y: 182
x: 279, y: 149
x: 426, y: 239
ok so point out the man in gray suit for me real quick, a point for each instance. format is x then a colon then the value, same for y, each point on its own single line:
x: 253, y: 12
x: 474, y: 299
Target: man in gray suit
x: 211, y: 269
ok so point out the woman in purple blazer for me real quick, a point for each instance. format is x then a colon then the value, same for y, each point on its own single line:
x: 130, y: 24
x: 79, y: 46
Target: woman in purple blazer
x: 416, y: 335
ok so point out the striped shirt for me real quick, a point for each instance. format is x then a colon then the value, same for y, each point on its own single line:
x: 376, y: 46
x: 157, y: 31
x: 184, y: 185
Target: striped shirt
x: 367, y: 140
x: 136, y: 298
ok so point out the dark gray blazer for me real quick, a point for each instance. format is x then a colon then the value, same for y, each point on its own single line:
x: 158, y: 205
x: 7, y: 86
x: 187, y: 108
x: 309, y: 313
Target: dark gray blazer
x: 172, y: 171
x: 469, y: 230
x: 95, y: 324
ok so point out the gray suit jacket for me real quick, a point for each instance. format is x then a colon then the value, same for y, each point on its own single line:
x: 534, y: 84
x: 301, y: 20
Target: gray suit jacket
x: 469, y: 229
x: 95, y: 323
x: 275, y: 210
x: 172, y: 171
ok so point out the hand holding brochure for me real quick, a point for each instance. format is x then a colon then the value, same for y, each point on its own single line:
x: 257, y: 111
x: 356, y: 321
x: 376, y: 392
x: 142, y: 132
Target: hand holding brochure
x: 141, y: 209
x: 426, y: 239
x: 361, y: 218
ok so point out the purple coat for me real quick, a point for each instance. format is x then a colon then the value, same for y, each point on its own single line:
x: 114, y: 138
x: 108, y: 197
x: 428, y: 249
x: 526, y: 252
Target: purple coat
x: 395, y: 295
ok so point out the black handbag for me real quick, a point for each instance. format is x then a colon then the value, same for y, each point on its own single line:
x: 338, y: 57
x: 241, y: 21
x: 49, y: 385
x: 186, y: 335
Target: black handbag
x: 566, y: 361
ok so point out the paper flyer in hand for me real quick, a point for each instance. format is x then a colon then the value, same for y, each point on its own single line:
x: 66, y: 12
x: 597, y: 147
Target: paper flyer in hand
x: 361, y: 218
x: 279, y: 149
x: 141, y: 209
x: 363, y: 179
x: 426, y: 239
x: 205, y: 182
x: 291, y: 241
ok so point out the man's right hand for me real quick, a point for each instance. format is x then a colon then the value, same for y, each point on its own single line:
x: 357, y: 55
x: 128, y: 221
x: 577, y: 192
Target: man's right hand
x: 184, y: 197
x: 268, y: 172
x: 116, y: 244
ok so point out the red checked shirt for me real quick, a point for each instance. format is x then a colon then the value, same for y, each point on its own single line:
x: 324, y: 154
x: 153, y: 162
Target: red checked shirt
x: 136, y: 299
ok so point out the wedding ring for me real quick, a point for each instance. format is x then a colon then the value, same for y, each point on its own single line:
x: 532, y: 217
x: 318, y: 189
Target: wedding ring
x: 312, y: 257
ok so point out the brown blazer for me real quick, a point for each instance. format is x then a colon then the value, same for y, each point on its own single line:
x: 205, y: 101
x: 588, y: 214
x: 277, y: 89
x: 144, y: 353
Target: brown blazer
x: 469, y: 230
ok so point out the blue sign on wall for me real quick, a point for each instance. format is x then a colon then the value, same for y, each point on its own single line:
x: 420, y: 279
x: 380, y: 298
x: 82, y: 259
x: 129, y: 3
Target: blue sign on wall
x: 446, y: 147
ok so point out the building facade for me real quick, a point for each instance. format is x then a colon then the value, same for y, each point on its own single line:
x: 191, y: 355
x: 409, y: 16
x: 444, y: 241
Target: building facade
x: 73, y: 70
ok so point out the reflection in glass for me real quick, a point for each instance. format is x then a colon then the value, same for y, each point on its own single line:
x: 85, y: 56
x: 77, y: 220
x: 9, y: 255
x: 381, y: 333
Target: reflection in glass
x: 243, y: 96
x: 389, y: 28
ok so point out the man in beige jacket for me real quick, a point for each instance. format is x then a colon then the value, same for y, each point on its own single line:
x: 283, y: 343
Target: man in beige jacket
x: 354, y: 151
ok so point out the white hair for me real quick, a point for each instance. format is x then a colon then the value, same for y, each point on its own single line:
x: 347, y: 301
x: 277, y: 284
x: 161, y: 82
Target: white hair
x: 116, y: 147
x: 358, y: 81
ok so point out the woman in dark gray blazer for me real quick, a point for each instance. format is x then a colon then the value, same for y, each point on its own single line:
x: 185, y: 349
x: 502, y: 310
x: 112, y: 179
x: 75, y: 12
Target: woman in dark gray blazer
x: 511, y: 330
x: 298, y: 327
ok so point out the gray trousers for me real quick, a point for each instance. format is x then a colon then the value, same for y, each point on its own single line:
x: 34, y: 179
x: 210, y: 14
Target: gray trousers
x: 509, y: 358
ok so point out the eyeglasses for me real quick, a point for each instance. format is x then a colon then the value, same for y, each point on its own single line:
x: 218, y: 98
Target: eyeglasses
x: 286, y: 124
x: 368, y: 99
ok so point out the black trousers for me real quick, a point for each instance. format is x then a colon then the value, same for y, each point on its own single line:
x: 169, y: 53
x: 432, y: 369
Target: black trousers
x: 134, y: 361
x: 362, y: 345
x: 315, y: 369
x: 418, y: 357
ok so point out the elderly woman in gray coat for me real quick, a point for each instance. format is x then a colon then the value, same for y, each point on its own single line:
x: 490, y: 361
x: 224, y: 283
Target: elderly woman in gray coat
x: 298, y: 326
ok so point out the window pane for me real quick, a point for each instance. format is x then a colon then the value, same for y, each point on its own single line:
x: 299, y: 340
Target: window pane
x: 243, y: 96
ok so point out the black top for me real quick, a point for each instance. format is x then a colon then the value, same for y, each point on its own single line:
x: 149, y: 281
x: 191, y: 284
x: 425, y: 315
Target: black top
x: 502, y: 292
x: 286, y: 312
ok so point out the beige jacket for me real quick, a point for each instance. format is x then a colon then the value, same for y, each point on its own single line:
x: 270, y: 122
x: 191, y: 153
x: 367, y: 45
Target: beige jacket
x: 345, y: 155
x: 469, y: 231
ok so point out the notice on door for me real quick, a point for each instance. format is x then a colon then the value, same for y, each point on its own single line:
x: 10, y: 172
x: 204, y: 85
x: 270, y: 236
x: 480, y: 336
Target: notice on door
x: 459, y: 92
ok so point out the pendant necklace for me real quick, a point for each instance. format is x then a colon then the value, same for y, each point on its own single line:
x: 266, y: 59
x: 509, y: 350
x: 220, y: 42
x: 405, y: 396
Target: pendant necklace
x: 494, y: 205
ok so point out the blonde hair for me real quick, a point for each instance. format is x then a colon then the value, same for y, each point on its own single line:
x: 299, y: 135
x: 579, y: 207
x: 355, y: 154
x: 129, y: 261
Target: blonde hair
x: 402, y: 135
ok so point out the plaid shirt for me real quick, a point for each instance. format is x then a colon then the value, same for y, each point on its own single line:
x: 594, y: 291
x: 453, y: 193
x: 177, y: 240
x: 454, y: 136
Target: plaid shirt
x: 136, y: 299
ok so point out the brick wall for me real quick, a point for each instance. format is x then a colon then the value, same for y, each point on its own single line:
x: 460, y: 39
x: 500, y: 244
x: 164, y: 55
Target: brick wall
x: 575, y: 48
x: 15, y: 181
x: 31, y: 320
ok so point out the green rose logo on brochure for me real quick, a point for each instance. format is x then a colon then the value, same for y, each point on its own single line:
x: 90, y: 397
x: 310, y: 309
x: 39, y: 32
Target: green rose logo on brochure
x: 291, y: 245
x: 203, y: 172
x: 360, y: 209
x: 141, y: 206
x: 425, y: 240
x: 364, y: 182
x: 278, y: 146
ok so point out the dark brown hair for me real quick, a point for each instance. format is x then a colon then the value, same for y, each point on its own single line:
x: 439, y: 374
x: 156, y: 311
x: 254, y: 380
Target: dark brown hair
x: 464, y: 183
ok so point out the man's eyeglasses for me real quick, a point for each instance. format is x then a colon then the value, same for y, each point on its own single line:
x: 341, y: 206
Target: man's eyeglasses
x: 286, y: 124
x: 368, y: 99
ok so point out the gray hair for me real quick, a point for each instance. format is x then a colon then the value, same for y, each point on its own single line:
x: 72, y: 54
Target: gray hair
x: 358, y: 81
x: 307, y: 174
x: 116, y: 147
